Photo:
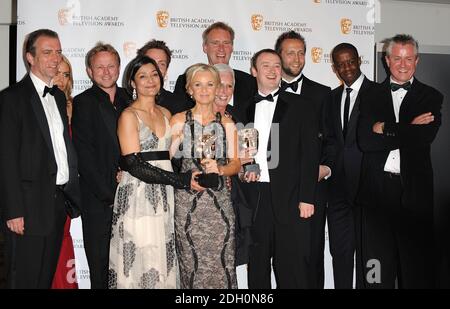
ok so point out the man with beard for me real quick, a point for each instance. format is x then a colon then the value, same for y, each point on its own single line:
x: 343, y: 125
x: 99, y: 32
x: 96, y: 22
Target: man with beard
x: 292, y: 48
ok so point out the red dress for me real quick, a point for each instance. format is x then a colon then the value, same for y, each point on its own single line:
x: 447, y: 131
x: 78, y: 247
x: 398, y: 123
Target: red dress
x: 65, y: 275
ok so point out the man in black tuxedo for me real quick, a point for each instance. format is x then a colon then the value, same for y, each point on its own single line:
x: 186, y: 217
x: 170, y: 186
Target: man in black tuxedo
x: 218, y: 41
x: 344, y: 222
x: 291, y: 46
x: 159, y: 51
x: 398, y: 122
x: 94, y: 127
x: 38, y: 166
x: 283, y: 197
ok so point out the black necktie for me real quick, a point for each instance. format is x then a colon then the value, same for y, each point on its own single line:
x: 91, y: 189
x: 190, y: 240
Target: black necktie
x: 49, y: 90
x: 259, y: 98
x: 293, y: 85
x: 346, y: 111
x: 406, y: 86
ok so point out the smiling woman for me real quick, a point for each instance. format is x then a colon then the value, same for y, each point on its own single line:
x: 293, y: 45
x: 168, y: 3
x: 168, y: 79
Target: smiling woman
x: 142, y: 252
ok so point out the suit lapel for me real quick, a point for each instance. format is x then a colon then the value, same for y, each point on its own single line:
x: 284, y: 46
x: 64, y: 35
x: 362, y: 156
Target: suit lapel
x: 251, y: 113
x: 387, y: 92
x: 107, y: 115
x: 355, y: 111
x: 280, y: 109
x: 306, y: 88
x: 411, y: 97
x: 38, y: 110
x: 337, y: 112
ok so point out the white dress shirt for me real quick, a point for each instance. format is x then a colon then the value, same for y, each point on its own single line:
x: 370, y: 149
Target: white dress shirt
x: 264, y: 111
x: 392, y: 164
x: 56, y: 129
x: 356, y: 86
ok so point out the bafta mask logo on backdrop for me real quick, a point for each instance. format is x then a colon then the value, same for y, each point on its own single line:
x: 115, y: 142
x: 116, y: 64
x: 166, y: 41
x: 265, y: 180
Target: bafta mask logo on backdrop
x: 346, y: 25
x: 129, y: 49
x: 316, y: 1
x: 66, y: 15
x: 257, y: 21
x: 316, y: 54
x: 162, y: 18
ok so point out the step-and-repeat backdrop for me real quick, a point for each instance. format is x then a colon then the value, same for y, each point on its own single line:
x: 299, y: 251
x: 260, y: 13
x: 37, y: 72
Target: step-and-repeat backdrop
x: 127, y: 25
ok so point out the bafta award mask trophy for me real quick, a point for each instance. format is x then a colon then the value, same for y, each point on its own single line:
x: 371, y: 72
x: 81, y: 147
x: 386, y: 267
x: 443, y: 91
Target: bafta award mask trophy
x: 248, y: 142
x: 206, y: 147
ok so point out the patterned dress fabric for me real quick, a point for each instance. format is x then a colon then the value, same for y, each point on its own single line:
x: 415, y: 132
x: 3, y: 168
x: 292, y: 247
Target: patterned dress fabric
x: 204, y: 222
x: 142, y: 250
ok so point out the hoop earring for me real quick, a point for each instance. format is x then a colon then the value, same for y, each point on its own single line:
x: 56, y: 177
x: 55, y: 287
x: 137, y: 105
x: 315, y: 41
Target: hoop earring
x: 134, y: 94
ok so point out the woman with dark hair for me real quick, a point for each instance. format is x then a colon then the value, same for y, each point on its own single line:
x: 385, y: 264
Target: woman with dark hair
x: 142, y: 249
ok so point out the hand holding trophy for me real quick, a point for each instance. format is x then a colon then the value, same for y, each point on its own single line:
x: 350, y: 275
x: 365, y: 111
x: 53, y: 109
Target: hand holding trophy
x: 206, y: 151
x: 248, y: 147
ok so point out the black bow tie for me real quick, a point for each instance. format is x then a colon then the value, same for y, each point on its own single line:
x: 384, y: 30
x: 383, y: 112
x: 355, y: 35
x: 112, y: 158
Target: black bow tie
x: 49, y: 90
x: 259, y: 98
x: 293, y: 85
x: 395, y: 87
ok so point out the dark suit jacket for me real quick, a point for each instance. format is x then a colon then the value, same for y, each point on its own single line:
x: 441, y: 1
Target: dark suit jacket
x: 413, y: 141
x: 94, y: 131
x: 295, y: 177
x: 244, y: 89
x: 175, y: 103
x: 27, y: 161
x: 320, y: 96
x: 346, y: 167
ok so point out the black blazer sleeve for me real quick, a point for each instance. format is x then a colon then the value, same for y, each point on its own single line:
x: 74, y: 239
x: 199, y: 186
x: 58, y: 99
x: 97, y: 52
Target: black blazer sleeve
x: 329, y: 142
x: 412, y: 135
x: 10, y: 165
x: 376, y: 107
x: 309, y: 153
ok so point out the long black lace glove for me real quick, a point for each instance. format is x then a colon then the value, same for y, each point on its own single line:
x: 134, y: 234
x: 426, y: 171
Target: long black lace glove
x: 136, y: 166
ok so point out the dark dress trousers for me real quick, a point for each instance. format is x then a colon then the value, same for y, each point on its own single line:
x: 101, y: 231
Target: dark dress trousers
x: 28, y: 185
x: 94, y: 130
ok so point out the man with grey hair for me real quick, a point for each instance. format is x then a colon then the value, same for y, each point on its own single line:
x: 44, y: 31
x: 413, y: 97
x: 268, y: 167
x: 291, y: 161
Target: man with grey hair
x: 218, y: 40
x: 38, y: 164
x: 399, y: 120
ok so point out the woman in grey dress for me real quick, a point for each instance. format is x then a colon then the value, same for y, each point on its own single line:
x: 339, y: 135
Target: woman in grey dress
x: 204, y: 217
